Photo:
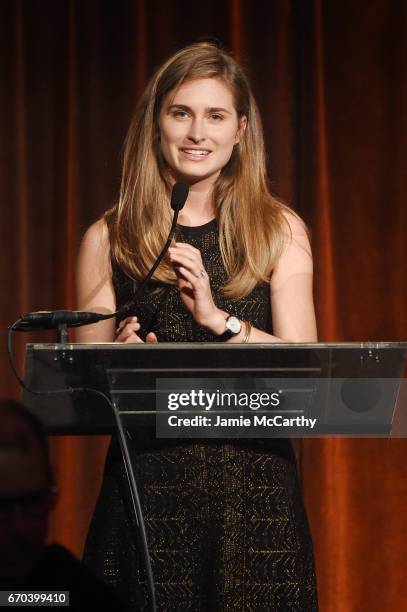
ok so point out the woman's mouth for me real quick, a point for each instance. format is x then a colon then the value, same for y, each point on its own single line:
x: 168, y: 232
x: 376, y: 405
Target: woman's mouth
x: 195, y: 153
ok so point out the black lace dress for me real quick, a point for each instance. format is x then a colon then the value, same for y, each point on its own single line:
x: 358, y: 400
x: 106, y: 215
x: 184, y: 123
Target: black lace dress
x: 225, y: 520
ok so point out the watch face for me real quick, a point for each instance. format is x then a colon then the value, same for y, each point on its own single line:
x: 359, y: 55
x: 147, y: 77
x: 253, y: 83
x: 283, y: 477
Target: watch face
x: 233, y: 324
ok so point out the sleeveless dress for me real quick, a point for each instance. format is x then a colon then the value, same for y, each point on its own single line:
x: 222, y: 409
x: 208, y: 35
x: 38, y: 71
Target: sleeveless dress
x: 225, y: 520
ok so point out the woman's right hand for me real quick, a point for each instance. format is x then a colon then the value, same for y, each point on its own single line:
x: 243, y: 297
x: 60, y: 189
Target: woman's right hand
x: 126, y: 332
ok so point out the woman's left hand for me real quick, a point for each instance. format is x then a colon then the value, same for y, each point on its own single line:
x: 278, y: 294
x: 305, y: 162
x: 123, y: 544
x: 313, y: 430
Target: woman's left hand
x: 194, y: 286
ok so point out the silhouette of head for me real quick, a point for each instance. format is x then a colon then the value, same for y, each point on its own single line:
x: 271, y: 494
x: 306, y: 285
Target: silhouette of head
x: 27, y: 491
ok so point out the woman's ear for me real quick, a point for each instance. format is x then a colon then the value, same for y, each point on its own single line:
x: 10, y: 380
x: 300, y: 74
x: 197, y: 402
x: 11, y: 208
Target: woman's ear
x: 241, y: 128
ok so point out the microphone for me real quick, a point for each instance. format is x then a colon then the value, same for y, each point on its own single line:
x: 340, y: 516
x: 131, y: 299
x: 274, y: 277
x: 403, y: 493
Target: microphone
x: 71, y: 318
x: 52, y: 319
x: 179, y: 196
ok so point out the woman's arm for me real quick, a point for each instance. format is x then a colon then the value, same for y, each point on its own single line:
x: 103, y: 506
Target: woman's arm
x: 292, y: 303
x: 94, y: 284
x: 95, y: 291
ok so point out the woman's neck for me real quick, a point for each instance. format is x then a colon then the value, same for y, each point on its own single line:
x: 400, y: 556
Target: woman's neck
x: 199, y: 207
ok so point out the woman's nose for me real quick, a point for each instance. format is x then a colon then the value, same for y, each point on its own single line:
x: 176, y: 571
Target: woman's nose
x: 197, y: 131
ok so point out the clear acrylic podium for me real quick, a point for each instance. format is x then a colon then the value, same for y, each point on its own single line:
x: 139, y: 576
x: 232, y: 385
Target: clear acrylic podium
x: 128, y: 375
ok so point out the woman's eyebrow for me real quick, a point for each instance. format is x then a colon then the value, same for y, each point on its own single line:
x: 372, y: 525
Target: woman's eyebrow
x: 211, y: 109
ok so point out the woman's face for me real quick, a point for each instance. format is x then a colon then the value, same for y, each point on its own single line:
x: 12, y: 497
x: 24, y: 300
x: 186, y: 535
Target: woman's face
x: 199, y: 127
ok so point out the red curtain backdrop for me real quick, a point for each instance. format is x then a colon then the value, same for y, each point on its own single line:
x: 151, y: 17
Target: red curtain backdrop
x: 328, y: 77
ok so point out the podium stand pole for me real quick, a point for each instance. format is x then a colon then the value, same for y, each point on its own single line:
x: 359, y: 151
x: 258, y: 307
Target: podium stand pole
x: 135, y: 498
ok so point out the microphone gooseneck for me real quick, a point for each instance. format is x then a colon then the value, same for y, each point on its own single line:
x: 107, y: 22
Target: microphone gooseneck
x: 179, y: 196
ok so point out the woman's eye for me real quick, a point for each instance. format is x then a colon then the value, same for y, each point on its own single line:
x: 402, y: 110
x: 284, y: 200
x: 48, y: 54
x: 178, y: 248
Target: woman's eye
x: 180, y: 114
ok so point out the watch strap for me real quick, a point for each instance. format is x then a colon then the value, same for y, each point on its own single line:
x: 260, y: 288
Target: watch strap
x: 227, y: 334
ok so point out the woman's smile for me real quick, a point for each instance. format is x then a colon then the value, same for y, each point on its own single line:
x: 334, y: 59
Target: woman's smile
x: 195, y: 154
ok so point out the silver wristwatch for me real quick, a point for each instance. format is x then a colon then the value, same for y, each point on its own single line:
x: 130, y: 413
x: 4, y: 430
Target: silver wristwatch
x: 233, y: 327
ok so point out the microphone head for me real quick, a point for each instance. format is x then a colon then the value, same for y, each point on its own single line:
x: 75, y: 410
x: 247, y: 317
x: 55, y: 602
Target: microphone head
x: 179, y: 195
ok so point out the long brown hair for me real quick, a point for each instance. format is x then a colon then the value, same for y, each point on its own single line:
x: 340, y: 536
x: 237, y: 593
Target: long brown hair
x: 252, y: 228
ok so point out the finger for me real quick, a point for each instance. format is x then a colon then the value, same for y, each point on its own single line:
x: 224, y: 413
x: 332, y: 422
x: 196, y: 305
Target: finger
x: 133, y: 339
x: 128, y: 320
x: 193, y: 266
x: 128, y: 331
x: 182, y: 282
x: 190, y: 277
x: 178, y: 254
x: 151, y: 338
x: 188, y: 251
x: 125, y: 322
x: 188, y: 247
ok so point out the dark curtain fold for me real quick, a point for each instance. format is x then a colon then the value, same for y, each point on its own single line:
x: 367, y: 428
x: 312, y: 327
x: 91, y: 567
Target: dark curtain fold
x: 330, y: 82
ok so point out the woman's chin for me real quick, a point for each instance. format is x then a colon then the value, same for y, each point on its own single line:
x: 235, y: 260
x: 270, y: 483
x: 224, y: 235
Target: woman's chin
x: 192, y: 176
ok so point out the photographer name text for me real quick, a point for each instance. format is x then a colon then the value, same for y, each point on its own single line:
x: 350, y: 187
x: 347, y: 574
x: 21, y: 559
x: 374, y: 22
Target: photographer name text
x: 242, y: 421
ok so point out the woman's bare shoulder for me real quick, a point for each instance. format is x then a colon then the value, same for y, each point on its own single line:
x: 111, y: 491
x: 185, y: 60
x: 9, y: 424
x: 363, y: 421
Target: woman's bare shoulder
x: 96, y: 236
x: 293, y: 225
x: 296, y: 233
x: 94, y: 253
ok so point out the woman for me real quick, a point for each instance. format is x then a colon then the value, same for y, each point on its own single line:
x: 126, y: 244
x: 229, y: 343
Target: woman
x: 225, y: 520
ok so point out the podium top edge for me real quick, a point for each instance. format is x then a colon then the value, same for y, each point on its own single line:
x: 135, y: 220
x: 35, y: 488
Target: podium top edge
x: 365, y: 345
